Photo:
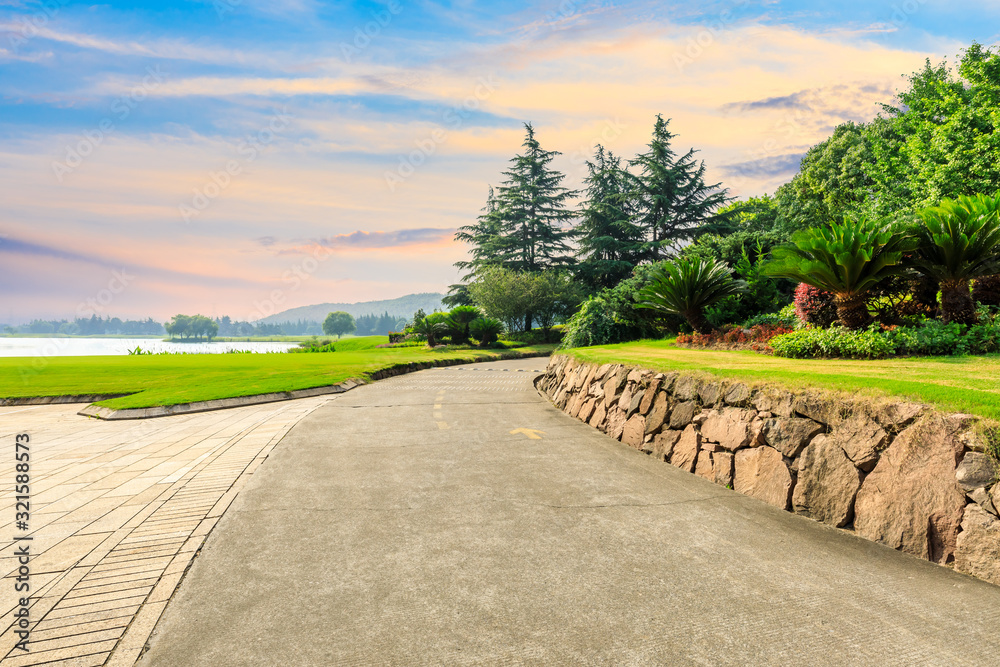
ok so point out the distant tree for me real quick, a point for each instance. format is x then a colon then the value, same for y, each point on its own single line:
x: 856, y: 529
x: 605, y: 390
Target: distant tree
x: 672, y: 197
x: 610, y: 244
x: 554, y: 297
x: 338, y: 323
x: 503, y: 294
x: 179, y: 325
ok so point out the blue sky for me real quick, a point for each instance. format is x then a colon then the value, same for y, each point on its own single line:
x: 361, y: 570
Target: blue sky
x: 243, y: 157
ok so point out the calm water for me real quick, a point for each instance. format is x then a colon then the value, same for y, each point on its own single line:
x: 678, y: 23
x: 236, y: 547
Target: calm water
x: 93, y: 347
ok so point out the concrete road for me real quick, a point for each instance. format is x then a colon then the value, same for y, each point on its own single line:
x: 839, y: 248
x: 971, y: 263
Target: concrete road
x: 404, y: 523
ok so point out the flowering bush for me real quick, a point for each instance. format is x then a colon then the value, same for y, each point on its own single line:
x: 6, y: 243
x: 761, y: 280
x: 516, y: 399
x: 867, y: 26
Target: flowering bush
x: 754, y: 338
x: 814, y: 306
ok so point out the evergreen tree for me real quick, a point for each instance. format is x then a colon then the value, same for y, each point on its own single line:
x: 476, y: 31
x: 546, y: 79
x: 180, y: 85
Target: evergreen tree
x: 671, y: 194
x: 486, y: 239
x: 532, y: 211
x: 610, y: 244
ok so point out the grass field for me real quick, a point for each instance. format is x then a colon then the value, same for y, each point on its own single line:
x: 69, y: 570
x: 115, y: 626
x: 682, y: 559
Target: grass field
x: 960, y: 384
x: 172, y: 379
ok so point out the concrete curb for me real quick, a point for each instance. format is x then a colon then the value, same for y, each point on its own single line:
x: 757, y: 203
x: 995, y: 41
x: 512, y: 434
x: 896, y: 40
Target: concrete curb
x: 57, y: 400
x: 109, y: 414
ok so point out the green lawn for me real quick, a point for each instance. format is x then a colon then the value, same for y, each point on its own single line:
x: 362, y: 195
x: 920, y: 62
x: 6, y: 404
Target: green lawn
x: 960, y: 384
x: 172, y: 379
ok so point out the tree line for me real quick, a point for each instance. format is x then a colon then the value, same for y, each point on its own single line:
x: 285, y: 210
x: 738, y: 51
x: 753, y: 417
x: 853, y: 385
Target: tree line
x: 938, y: 139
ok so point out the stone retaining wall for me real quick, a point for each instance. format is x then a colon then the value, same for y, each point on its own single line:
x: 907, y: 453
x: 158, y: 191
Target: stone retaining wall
x: 897, y: 473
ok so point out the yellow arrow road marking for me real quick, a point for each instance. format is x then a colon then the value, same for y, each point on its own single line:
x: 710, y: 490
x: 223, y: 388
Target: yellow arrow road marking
x: 533, y: 434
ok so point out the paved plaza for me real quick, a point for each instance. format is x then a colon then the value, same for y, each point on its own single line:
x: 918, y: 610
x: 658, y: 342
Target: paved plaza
x: 118, y: 510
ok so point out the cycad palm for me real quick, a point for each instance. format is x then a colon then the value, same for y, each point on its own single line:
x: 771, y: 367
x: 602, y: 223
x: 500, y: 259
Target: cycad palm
x: 847, y: 259
x: 458, y: 321
x: 686, y: 287
x: 960, y: 242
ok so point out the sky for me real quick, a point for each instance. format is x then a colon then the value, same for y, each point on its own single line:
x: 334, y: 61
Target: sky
x: 242, y: 157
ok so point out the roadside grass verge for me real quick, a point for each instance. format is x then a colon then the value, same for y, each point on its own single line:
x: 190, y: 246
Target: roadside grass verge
x: 160, y: 380
x: 956, y: 384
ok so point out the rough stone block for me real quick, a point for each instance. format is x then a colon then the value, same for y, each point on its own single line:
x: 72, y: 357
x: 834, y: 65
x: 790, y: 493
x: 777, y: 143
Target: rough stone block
x: 634, y: 431
x: 789, y: 435
x: 710, y: 393
x: 977, y: 550
x: 827, y: 483
x: 737, y: 395
x: 597, y: 419
x: 663, y: 444
x: 703, y: 466
x: 761, y: 473
x: 862, y: 440
x: 723, y: 463
x: 686, y: 388
x: 976, y: 470
x: 730, y: 427
x: 911, y: 501
x: 686, y: 450
x: 615, y: 423
x: 658, y: 412
x: 650, y: 394
x: 682, y: 414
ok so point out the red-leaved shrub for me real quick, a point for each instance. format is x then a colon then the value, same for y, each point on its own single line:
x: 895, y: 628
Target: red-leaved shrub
x: 814, y: 306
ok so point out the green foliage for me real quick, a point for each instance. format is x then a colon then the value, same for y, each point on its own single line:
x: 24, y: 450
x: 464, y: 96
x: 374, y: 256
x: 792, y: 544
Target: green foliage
x: 613, y: 316
x: 942, y: 140
x: 761, y: 293
x: 610, y: 243
x: 870, y: 343
x: 785, y: 317
x: 431, y: 327
x: 339, y: 323
x: 554, y: 297
x: 458, y: 320
x: 502, y: 294
x: 686, y: 287
x: 521, y: 227
x: 486, y: 330
x: 931, y: 337
x: 192, y: 326
x: 847, y: 259
x: 670, y: 194
x: 960, y: 239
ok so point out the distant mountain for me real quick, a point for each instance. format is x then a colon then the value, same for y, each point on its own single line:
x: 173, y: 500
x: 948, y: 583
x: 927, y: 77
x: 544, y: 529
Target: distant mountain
x: 404, y: 306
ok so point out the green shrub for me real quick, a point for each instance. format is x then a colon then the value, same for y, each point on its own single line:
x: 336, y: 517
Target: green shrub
x: 871, y: 343
x: 930, y: 338
x: 783, y: 318
x: 612, y: 315
x: 485, y: 329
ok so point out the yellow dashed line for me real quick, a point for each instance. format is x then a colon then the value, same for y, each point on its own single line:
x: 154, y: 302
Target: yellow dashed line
x: 443, y: 426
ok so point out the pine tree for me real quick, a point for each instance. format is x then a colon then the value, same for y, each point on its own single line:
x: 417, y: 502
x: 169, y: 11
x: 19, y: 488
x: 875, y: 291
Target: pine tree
x: 489, y: 248
x: 671, y: 194
x: 610, y: 244
x: 532, y: 210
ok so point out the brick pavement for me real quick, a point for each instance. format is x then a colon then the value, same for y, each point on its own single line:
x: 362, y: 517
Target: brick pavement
x: 118, y: 511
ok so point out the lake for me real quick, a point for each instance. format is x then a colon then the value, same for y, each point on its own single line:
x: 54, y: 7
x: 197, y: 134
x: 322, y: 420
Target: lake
x: 95, y: 347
